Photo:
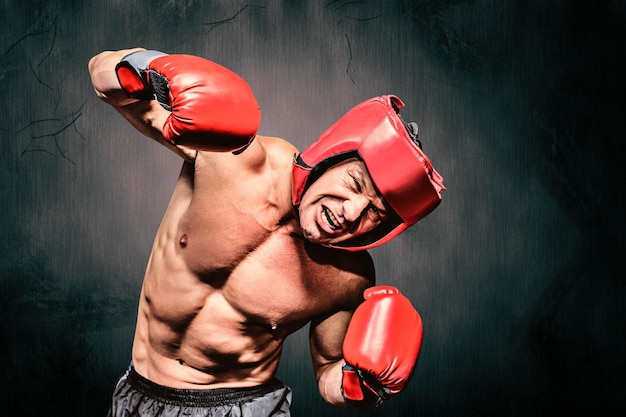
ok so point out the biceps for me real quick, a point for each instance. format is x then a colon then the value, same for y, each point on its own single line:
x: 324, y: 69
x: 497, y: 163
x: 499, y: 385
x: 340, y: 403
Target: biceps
x: 326, y: 338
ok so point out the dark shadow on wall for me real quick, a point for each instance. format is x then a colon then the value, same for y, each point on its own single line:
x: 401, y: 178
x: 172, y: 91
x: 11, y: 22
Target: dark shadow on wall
x: 50, y: 329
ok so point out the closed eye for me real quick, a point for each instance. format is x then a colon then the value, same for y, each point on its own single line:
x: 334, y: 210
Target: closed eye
x: 356, y: 183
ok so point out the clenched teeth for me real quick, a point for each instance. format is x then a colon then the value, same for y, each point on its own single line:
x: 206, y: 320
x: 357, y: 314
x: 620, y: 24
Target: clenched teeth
x: 330, y: 219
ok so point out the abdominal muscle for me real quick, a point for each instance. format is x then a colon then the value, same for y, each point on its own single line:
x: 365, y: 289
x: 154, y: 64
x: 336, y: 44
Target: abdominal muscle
x: 221, y: 328
x: 189, y: 335
x: 212, y: 351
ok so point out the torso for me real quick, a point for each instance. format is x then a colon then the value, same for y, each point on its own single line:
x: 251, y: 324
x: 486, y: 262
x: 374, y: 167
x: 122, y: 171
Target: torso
x: 230, y: 276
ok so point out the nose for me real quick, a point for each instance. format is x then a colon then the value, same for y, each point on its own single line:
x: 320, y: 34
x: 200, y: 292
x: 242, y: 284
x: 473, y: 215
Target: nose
x: 354, y: 207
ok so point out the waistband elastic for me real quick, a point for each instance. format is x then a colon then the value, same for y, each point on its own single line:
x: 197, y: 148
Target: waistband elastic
x: 200, y: 398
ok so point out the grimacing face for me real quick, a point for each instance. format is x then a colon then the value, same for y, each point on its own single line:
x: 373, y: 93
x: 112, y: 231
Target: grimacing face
x: 341, y: 204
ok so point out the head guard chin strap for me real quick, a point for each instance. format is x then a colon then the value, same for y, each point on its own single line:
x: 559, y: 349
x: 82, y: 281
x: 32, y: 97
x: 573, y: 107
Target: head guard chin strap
x: 374, y: 132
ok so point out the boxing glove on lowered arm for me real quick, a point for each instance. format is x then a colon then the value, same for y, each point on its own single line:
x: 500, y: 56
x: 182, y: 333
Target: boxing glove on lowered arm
x: 381, y: 347
x: 212, y: 108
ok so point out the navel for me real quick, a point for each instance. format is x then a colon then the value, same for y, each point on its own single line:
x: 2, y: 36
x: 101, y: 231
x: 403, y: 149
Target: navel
x: 183, y: 241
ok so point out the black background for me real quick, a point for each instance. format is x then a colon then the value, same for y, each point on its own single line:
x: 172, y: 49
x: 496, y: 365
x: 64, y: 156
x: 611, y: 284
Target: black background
x: 518, y: 274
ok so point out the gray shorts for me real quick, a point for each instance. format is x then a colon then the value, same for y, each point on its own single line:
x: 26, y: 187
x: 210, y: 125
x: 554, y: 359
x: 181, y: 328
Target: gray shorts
x: 135, y: 395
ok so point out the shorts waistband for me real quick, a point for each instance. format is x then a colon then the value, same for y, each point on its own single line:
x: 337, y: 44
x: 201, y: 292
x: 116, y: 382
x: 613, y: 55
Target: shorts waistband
x: 200, y: 398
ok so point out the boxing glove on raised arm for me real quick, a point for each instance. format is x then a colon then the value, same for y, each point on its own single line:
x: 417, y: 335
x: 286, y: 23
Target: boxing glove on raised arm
x: 212, y: 108
x: 381, y: 347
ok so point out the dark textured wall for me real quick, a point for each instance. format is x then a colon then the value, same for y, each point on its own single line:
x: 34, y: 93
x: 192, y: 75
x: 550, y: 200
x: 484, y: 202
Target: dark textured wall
x: 518, y: 275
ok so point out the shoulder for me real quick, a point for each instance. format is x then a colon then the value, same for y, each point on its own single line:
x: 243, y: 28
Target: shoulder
x: 275, y: 150
x: 350, y: 273
x: 262, y: 150
x: 350, y: 264
x: 360, y: 264
x: 275, y: 143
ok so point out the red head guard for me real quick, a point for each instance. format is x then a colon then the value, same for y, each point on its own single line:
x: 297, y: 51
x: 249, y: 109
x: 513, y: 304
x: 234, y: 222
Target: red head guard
x: 374, y: 132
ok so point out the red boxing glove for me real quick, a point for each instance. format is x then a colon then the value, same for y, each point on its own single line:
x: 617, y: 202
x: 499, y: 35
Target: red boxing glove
x: 212, y: 107
x: 381, y: 347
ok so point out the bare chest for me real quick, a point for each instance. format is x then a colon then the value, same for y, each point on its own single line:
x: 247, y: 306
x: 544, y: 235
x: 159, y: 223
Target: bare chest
x: 280, y: 283
x: 271, y: 279
x: 227, y: 219
x: 275, y: 288
x: 227, y: 246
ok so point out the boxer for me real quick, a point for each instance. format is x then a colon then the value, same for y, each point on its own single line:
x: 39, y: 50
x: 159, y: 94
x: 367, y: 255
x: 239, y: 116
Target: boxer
x: 260, y: 239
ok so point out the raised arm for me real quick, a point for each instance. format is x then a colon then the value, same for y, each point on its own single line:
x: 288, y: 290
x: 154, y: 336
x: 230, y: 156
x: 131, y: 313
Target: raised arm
x: 184, y: 102
x: 148, y: 117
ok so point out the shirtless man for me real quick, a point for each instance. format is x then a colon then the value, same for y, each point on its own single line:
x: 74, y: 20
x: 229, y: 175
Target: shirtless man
x: 258, y: 240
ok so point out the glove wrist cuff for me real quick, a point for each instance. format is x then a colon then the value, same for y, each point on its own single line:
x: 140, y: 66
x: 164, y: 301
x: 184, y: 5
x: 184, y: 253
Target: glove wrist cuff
x: 356, y: 391
x: 133, y: 76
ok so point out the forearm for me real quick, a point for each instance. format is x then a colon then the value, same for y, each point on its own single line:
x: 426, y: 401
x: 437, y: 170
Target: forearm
x: 147, y: 117
x: 104, y: 79
x: 329, y: 385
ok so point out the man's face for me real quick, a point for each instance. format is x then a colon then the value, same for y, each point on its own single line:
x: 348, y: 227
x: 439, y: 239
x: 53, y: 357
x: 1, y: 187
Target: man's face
x: 341, y: 204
